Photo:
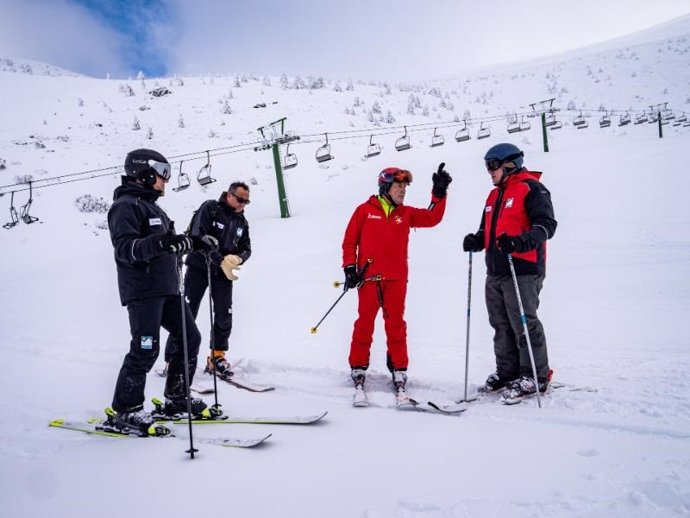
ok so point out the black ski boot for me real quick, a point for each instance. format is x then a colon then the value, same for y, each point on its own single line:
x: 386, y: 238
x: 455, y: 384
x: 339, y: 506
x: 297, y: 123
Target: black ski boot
x: 358, y: 376
x: 495, y: 383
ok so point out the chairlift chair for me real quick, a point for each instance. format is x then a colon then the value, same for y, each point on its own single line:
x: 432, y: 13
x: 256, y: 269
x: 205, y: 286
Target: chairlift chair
x: 550, y: 119
x: 323, y: 153
x: 556, y: 125
x: 24, y: 211
x: 290, y: 159
x: 484, y: 132
x: 436, y: 139
x: 525, y: 125
x: 373, y: 148
x: 204, y: 175
x: 624, y: 119
x: 182, y: 180
x: 641, y: 118
x: 605, y: 120
x: 580, y: 122
x: 682, y: 118
x: 513, y: 125
x: 13, y: 214
x: 463, y: 134
x: 668, y: 115
x: 403, y: 143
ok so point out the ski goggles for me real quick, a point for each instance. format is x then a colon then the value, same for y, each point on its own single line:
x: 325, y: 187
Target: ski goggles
x: 394, y: 174
x: 492, y: 164
x: 162, y: 169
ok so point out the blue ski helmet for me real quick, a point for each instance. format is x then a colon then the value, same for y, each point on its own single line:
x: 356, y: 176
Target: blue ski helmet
x: 505, y: 153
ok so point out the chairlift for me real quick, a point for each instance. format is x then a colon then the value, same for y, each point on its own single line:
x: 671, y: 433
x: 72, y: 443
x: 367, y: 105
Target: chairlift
x: 682, y: 118
x: 534, y: 112
x: 24, y: 211
x: 580, y: 122
x: 513, y: 124
x: 290, y: 160
x: 13, y: 214
x: 556, y: 125
x: 463, y: 134
x: 605, y: 120
x: 668, y: 115
x: 403, y: 143
x: 525, y: 125
x: 484, y: 132
x: 641, y: 118
x: 204, y: 175
x: 436, y: 139
x: 550, y: 119
x: 624, y: 119
x: 323, y: 153
x: 373, y: 148
x: 182, y: 180
x: 686, y: 124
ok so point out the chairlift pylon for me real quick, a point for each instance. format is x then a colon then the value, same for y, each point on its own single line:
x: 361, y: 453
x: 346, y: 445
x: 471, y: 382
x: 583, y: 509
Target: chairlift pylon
x: 463, y: 134
x: 436, y: 139
x: 403, y: 143
x: 13, y: 214
x: 24, y: 211
x: 204, y: 175
x: 182, y: 180
x: 373, y: 148
x: 290, y: 160
x: 484, y: 131
x: 323, y: 153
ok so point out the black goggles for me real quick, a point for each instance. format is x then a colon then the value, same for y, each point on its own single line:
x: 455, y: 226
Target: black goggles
x: 492, y: 164
x: 161, y: 168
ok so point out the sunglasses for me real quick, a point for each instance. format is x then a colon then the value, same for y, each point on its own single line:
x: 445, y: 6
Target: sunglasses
x: 492, y: 164
x: 243, y: 201
x: 162, y: 169
x: 393, y: 174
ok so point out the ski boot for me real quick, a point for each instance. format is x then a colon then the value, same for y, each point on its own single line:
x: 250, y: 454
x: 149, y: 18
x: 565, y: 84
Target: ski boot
x: 135, y: 421
x: 218, y: 363
x: 176, y: 409
x: 524, y: 386
x: 494, y: 383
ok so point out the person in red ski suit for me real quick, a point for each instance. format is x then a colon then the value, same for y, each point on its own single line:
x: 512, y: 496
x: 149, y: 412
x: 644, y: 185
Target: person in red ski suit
x: 375, y: 262
x: 517, y: 219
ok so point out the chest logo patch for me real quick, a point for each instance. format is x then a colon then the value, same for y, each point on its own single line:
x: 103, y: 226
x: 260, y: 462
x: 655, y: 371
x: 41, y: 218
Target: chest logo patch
x: 373, y: 216
x: 240, y: 231
x: 509, y: 203
x: 155, y: 221
x: 219, y: 225
x: 398, y: 220
x: 487, y: 208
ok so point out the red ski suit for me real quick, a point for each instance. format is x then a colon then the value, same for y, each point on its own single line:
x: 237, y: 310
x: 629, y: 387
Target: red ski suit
x: 371, y: 235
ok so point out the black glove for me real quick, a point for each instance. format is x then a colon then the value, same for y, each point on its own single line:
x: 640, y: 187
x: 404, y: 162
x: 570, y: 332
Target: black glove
x: 176, y: 243
x: 441, y: 180
x: 509, y: 244
x: 473, y: 242
x: 205, y: 243
x: 352, y: 278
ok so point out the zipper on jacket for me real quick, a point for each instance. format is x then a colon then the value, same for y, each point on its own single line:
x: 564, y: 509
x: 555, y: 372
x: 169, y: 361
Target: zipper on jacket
x: 492, y: 234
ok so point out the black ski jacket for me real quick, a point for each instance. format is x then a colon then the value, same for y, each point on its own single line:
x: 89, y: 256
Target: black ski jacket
x: 230, y: 228
x: 136, y: 225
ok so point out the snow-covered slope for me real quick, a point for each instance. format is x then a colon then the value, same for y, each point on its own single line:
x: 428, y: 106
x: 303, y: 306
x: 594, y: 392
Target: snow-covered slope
x: 614, y: 305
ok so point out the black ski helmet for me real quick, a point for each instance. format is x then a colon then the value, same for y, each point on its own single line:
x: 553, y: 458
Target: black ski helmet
x: 145, y: 164
x: 504, y: 153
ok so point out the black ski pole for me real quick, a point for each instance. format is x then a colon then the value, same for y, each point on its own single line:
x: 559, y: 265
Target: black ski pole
x: 467, y: 334
x: 345, y: 289
x: 185, y: 350
x: 523, y: 319
x: 213, y: 342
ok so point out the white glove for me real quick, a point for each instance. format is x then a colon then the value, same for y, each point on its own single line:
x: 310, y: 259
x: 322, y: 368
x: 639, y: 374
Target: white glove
x: 230, y: 263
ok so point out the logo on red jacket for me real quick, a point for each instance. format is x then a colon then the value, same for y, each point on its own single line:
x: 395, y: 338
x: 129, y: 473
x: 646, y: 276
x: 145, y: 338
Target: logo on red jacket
x: 373, y: 216
x: 509, y: 203
x: 398, y: 219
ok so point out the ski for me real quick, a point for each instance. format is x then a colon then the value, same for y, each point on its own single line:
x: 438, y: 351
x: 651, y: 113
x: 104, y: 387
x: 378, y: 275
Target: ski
x: 287, y: 420
x: 404, y: 402
x: 500, y: 394
x: 96, y: 427
x: 246, y: 385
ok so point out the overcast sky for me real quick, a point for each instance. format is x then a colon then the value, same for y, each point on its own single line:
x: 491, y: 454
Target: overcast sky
x: 359, y: 39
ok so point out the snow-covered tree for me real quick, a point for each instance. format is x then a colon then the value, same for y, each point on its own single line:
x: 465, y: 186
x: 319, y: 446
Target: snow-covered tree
x: 136, y: 125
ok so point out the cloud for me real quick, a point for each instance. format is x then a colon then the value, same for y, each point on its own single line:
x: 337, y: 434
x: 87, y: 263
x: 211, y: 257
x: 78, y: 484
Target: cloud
x: 60, y: 33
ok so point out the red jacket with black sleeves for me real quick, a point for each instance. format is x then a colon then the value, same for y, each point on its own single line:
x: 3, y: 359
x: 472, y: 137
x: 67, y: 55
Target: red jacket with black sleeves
x: 372, y: 235
x: 520, y: 206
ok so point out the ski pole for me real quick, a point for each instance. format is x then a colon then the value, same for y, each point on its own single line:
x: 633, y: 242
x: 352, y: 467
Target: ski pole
x: 523, y: 318
x: 345, y: 289
x: 467, y: 335
x: 185, y: 350
x: 213, y: 342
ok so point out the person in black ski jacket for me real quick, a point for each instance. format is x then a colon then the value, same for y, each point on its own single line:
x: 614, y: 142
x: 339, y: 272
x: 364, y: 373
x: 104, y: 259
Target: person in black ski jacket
x: 147, y: 251
x: 517, y: 220
x: 224, y: 220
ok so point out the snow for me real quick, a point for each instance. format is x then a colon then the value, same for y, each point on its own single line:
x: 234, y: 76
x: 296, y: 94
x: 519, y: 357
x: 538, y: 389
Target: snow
x: 614, y: 305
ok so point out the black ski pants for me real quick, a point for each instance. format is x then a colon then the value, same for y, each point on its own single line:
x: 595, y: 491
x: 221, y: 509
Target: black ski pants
x: 146, y: 316
x: 510, y: 343
x: 195, y: 285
